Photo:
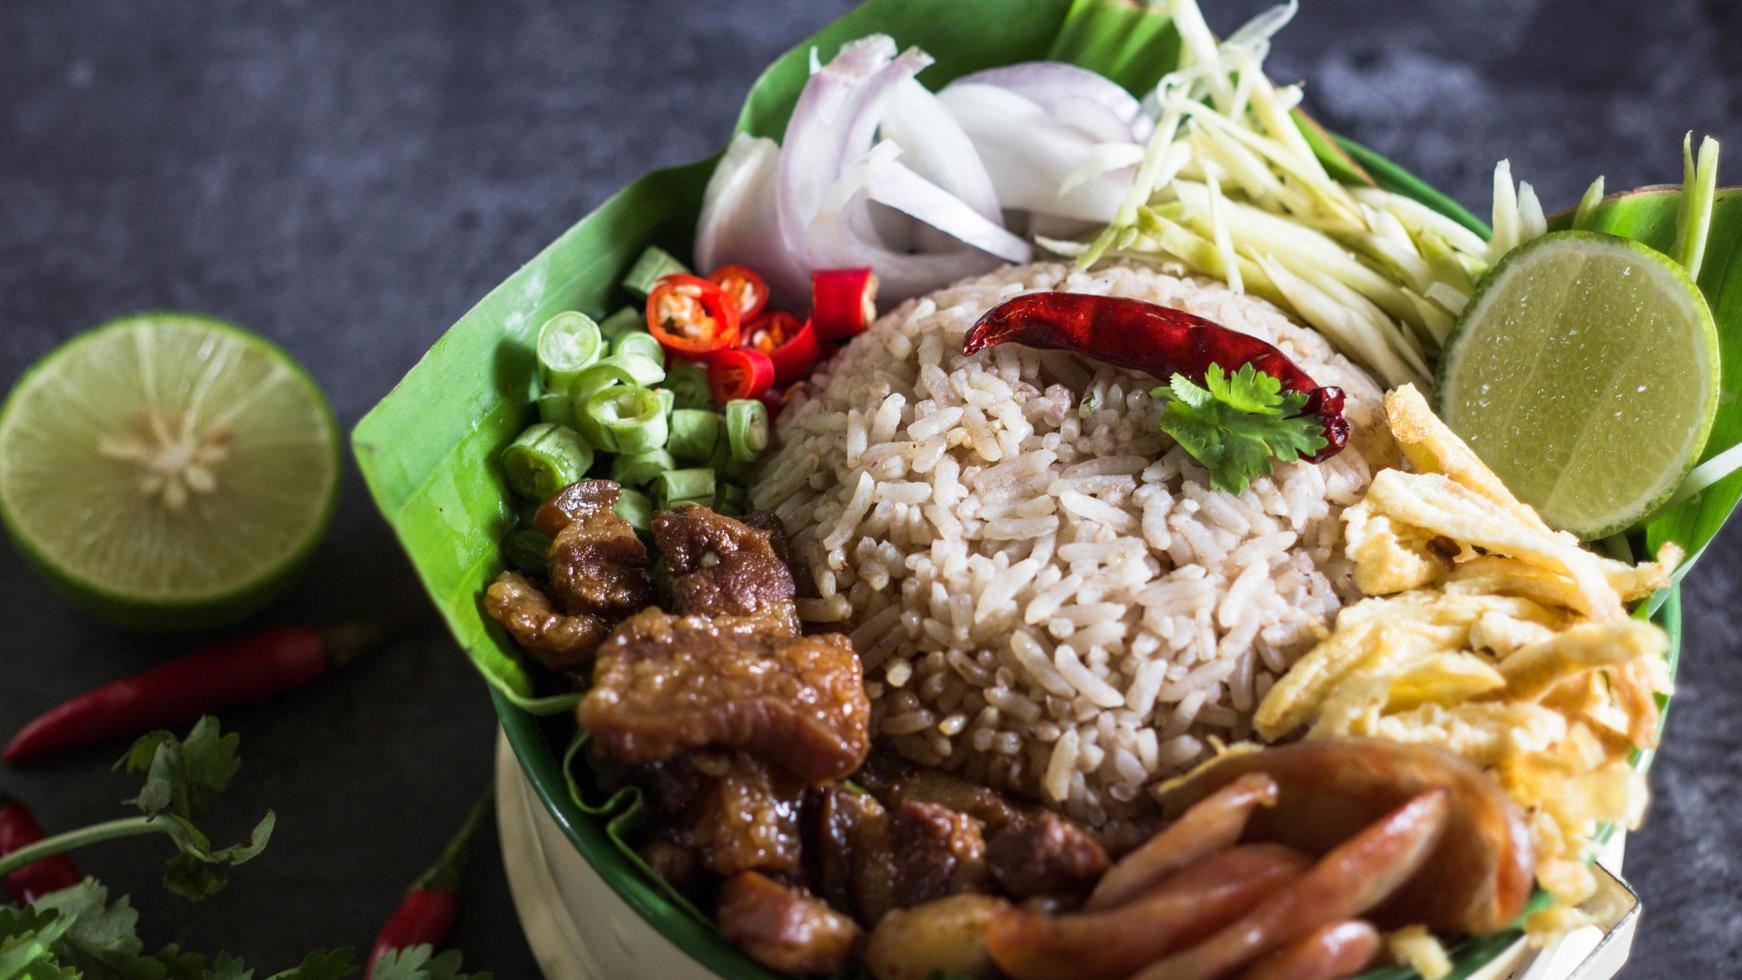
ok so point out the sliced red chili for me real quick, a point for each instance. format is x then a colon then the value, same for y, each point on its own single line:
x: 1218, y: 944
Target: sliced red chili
x: 744, y: 286
x: 691, y: 316
x: 843, y: 302
x: 1153, y: 339
x: 739, y: 373
x: 791, y: 345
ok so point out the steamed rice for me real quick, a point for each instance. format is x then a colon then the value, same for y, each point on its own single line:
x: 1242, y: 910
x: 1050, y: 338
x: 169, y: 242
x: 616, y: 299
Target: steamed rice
x: 1045, y: 591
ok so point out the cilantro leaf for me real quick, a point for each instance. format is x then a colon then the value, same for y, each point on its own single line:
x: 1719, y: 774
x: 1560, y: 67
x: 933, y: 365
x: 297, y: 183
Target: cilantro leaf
x: 184, y: 777
x: 1235, y: 425
x: 320, y: 965
x: 420, y: 963
x: 27, y: 939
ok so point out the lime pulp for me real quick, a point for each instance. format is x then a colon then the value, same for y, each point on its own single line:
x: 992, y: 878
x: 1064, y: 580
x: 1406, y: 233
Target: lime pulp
x: 1585, y: 372
x: 167, y: 470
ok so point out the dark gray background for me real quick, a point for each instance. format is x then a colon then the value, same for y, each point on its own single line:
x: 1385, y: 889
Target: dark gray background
x: 348, y: 178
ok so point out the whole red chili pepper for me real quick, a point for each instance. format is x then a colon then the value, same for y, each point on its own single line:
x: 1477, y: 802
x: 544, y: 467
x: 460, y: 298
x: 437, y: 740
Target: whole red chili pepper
x: 235, y: 672
x: 428, y: 912
x: 18, y: 829
x: 1156, y: 340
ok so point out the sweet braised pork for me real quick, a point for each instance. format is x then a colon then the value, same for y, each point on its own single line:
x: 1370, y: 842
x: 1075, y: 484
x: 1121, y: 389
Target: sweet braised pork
x: 598, y: 571
x: 663, y: 684
x: 718, y: 566
x: 783, y: 928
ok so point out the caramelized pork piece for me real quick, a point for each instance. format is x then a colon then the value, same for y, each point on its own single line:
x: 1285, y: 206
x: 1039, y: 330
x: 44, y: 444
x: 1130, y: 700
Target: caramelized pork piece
x: 663, y: 684
x: 1351, y: 878
x: 937, y: 852
x: 556, y: 640
x: 722, y: 567
x: 597, y: 564
x: 783, y: 928
x: 946, y: 937
x: 896, y: 781
x: 763, y: 520
x: 1180, y: 911
x: 747, y: 818
x: 671, y: 861
x: 1481, y: 871
x: 851, y: 857
x: 598, y: 575
x: 1042, y: 853
x: 728, y: 811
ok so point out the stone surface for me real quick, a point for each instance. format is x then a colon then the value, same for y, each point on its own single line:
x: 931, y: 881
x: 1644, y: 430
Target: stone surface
x: 349, y: 178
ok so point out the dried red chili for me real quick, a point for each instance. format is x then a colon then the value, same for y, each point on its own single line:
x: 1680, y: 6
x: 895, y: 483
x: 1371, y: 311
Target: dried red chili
x: 1156, y: 340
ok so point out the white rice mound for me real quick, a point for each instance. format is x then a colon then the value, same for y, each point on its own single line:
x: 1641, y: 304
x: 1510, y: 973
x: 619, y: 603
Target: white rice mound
x: 1047, y: 599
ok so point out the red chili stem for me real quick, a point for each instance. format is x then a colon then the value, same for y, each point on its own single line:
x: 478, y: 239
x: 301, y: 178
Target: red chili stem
x: 18, y: 828
x: 235, y: 672
x: 428, y: 912
x: 1156, y: 340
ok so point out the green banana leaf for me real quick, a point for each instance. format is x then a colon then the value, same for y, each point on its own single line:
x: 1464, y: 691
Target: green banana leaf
x: 1648, y: 215
x: 428, y: 451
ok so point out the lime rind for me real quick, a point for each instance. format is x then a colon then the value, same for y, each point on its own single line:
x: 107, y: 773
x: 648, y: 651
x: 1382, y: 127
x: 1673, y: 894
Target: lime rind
x: 147, y: 609
x: 1475, y: 333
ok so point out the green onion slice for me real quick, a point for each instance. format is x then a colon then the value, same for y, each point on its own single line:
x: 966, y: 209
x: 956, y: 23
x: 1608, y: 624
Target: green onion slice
x: 544, y: 459
x: 746, y: 428
x: 526, y: 550
x: 625, y: 419
x: 694, y: 431
x: 689, y: 382
x: 567, y: 344
x: 654, y: 264
x: 640, y: 469
x: 692, y: 486
x: 638, y: 342
x: 634, y: 507
x: 625, y: 320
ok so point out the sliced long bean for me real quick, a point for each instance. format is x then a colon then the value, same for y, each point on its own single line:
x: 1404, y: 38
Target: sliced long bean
x: 544, y: 459
x: 567, y: 344
x: 694, y: 433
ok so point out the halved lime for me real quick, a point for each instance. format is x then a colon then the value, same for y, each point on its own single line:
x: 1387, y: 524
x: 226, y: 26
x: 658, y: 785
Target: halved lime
x: 167, y: 469
x: 1585, y: 372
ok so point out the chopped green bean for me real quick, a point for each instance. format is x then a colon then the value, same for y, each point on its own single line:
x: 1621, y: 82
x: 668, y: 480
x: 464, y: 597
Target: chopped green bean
x: 544, y: 459
x: 689, y: 382
x: 722, y: 462
x: 692, y: 486
x: 640, y: 469
x: 634, y: 507
x: 623, y: 321
x: 526, y: 550
x: 694, y: 431
x: 614, y: 370
x: 567, y: 343
x: 556, y: 408
x: 746, y: 428
x: 638, y: 342
x: 654, y: 264
x: 667, y: 401
x: 732, y: 500
x: 625, y: 419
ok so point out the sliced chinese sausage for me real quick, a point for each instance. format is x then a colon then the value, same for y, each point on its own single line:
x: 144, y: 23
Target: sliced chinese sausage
x: 1353, y: 877
x: 1478, y: 877
x: 1028, y: 945
x: 1211, y: 825
x: 1337, y: 950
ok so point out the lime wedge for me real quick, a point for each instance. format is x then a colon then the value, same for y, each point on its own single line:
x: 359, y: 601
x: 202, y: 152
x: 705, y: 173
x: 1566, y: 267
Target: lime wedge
x: 167, y: 470
x: 1585, y: 372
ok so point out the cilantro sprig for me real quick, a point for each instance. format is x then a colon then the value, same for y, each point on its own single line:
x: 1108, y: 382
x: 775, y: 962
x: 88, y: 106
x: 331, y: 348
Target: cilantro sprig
x: 77, y: 933
x: 1235, y: 425
x: 183, y: 778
